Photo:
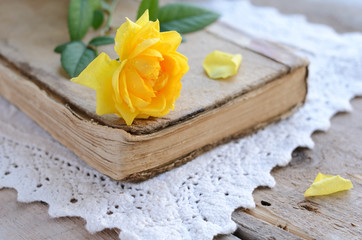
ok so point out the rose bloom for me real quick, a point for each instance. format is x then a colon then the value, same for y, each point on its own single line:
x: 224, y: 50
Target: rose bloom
x: 146, y: 80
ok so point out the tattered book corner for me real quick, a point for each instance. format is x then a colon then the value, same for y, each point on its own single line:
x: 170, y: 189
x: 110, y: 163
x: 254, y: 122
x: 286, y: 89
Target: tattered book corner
x: 264, y: 82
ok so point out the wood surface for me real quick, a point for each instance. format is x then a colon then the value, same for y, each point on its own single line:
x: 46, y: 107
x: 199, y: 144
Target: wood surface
x: 336, y: 151
x: 270, y: 83
x: 336, y: 216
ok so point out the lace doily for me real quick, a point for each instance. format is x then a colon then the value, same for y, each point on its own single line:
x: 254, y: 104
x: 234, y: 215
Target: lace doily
x: 194, y: 201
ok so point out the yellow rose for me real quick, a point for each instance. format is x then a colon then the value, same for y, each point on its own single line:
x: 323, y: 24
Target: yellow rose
x: 146, y: 80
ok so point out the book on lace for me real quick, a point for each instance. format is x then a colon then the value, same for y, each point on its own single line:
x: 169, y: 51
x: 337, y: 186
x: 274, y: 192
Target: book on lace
x: 270, y: 84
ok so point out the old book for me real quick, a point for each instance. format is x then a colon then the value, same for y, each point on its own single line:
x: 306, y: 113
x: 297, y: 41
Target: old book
x: 270, y: 84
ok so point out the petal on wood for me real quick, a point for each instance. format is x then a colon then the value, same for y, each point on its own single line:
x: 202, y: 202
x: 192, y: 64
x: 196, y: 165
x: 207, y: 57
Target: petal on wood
x: 327, y: 184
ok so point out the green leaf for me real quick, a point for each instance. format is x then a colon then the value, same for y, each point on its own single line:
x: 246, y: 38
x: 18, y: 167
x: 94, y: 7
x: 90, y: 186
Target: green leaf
x: 80, y: 15
x: 152, y: 6
x: 98, y: 18
x: 102, y: 40
x: 60, y: 48
x: 96, y: 4
x: 76, y: 57
x: 185, y: 18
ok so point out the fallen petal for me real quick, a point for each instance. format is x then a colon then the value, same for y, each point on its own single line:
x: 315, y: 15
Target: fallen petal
x: 327, y: 184
x: 221, y: 65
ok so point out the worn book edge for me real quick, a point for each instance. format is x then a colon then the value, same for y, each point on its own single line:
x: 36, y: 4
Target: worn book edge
x: 124, y: 156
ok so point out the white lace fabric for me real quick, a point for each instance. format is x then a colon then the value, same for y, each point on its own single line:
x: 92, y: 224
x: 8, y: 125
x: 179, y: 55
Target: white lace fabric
x: 194, y: 201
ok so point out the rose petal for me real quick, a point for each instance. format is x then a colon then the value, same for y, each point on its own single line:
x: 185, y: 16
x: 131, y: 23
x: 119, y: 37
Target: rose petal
x: 98, y: 72
x: 124, y: 35
x: 138, y: 102
x: 161, y: 82
x: 143, y: 46
x: 98, y: 75
x: 174, y: 64
x: 137, y: 86
x: 144, y: 19
x: 105, y: 101
x: 221, y: 65
x: 120, y: 87
x: 152, y: 53
x: 148, y: 30
x: 147, y: 81
x: 327, y: 184
x: 172, y: 89
x: 147, y: 67
x: 156, y: 107
x: 125, y: 113
x: 169, y: 41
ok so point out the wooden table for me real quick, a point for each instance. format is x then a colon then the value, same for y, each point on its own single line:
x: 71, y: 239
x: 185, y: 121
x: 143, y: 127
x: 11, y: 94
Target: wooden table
x: 281, y: 212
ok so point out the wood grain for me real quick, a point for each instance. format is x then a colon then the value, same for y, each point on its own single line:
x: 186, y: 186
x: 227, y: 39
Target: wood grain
x: 339, y: 144
x: 338, y: 151
x: 253, y: 229
x: 31, y: 221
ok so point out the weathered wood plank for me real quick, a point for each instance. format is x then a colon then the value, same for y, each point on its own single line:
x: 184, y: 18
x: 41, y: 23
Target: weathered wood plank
x: 226, y: 237
x: 260, y: 215
x: 337, y: 215
x: 252, y: 228
x: 336, y: 152
x: 31, y: 221
x: 322, y: 146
